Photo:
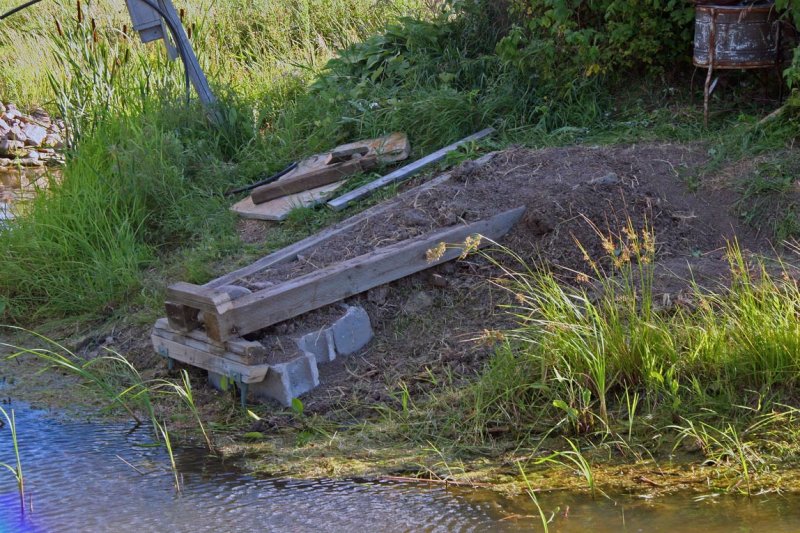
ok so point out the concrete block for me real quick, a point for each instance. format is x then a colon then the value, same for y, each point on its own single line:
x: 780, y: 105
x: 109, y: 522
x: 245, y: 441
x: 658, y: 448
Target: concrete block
x: 352, y: 332
x: 320, y: 344
x: 283, y: 382
x: 286, y: 381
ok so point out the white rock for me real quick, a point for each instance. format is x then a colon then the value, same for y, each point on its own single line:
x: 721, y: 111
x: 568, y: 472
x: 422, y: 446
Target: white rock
x: 35, y: 134
x: 9, y: 145
x: 53, y: 140
x: 16, y: 134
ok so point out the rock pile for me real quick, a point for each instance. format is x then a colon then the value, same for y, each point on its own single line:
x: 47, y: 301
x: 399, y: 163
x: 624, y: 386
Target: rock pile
x: 29, y: 140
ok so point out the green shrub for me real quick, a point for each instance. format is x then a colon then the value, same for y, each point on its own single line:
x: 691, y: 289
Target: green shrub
x: 575, y: 37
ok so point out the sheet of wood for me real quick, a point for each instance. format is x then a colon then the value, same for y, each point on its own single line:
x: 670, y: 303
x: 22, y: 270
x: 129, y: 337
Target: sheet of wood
x: 279, y: 208
x: 328, y: 285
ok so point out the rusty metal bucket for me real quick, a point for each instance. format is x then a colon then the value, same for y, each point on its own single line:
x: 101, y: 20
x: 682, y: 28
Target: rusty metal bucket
x: 742, y: 36
x: 737, y: 36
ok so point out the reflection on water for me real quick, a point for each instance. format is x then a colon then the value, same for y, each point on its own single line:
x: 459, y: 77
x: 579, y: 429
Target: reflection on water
x: 78, y: 481
x: 18, y: 185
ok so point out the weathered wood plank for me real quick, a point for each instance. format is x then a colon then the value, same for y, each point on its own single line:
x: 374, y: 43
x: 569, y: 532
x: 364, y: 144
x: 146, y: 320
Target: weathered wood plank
x: 403, y: 173
x: 236, y: 349
x: 278, y: 209
x: 289, y: 253
x: 194, y: 353
x: 311, y: 180
x: 336, y: 282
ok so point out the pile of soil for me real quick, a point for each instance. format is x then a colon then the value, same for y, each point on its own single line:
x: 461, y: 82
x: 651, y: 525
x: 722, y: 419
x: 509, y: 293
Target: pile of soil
x: 571, y: 194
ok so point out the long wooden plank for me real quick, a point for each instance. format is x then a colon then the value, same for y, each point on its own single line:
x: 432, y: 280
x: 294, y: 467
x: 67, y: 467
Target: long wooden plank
x: 313, y: 179
x: 328, y: 285
x: 193, y: 353
x: 290, y: 252
x: 403, y: 173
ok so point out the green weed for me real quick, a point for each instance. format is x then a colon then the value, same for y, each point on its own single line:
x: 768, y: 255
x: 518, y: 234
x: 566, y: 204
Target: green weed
x: 16, y: 469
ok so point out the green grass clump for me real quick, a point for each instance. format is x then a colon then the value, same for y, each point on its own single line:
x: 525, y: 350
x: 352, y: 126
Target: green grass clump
x: 146, y: 171
x: 603, y: 360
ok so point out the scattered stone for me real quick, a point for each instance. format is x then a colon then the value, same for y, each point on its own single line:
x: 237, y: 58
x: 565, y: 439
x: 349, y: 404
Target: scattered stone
x: 437, y: 280
x: 28, y: 162
x: 608, y: 179
x: 8, y: 147
x: 352, y: 332
x: 41, y: 116
x: 4, y: 162
x: 16, y: 134
x: 378, y: 295
x: 11, y: 112
x: 34, y: 134
x: 288, y: 380
x: 35, y: 130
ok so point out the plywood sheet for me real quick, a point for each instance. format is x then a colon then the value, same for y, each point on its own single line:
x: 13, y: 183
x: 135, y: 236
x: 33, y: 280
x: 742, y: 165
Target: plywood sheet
x: 279, y: 208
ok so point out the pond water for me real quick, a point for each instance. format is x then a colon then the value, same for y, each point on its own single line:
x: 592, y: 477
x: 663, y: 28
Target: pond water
x: 76, y: 480
x: 18, y: 185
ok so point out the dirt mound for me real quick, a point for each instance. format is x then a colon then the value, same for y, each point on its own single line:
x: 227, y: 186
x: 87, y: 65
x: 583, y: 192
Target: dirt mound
x: 571, y: 194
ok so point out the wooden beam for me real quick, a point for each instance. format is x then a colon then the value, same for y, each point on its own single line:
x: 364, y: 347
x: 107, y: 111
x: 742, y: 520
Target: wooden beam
x: 336, y: 282
x: 197, y: 354
x: 289, y: 253
x: 235, y: 349
x: 403, y: 173
x: 311, y: 180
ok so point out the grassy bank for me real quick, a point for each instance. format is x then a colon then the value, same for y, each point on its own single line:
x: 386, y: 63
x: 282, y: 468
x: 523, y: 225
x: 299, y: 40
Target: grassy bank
x: 141, y: 203
x: 598, y: 372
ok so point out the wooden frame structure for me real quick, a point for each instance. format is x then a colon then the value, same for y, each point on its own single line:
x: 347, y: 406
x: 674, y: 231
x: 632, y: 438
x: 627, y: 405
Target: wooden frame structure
x: 205, y: 324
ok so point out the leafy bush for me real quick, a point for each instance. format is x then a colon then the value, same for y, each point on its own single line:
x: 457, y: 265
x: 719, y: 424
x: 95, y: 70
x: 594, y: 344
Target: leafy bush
x: 575, y: 37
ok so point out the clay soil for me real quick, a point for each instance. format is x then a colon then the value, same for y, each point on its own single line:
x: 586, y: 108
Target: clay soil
x: 431, y: 323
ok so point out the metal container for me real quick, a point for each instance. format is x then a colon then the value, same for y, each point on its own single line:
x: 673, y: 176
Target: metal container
x: 737, y: 36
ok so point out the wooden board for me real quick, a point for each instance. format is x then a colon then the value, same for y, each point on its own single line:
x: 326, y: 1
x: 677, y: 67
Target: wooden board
x: 279, y: 209
x: 386, y: 150
x: 404, y: 173
x: 389, y: 149
x: 328, y: 285
x: 235, y: 349
x: 194, y: 353
x: 290, y: 252
x: 304, y: 180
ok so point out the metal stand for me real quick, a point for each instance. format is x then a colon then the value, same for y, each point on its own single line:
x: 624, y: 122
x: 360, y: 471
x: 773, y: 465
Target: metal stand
x: 148, y: 22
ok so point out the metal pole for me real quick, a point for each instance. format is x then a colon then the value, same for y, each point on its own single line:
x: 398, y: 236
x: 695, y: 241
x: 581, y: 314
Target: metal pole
x: 196, y: 74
